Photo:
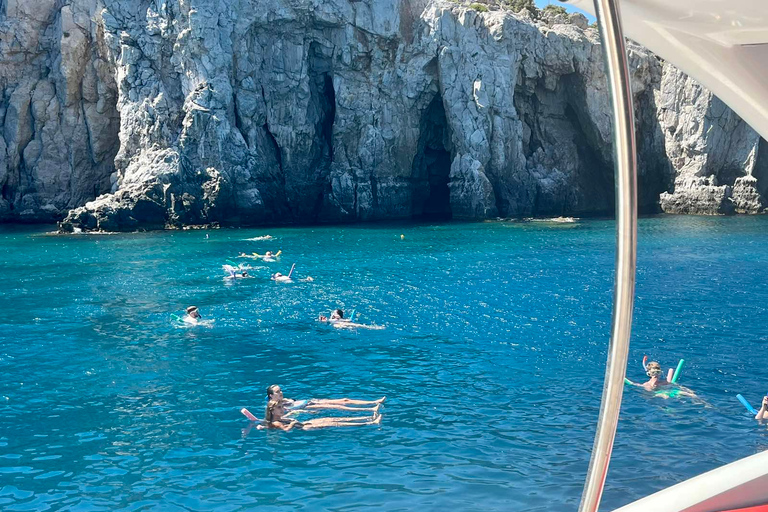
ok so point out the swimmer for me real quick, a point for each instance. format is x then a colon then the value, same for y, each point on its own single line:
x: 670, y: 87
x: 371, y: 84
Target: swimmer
x: 235, y: 272
x: 268, y: 256
x: 653, y: 370
x: 762, y: 414
x: 275, y: 393
x: 337, y: 315
x: 338, y: 321
x: 276, y: 417
x: 193, y: 316
x: 661, y: 385
x: 280, y: 278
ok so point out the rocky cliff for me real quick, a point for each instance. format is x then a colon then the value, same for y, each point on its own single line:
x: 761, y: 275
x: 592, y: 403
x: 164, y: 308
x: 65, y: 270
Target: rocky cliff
x: 125, y: 114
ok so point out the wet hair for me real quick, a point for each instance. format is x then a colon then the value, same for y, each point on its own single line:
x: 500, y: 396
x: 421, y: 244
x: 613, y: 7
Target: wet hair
x: 271, y: 390
x: 269, y: 414
x: 653, y: 369
x: 338, y: 312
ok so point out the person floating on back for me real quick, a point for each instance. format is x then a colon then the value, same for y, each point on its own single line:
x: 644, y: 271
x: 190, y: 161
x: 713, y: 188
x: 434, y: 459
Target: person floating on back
x: 268, y: 256
x: 277, y: 418
x: 275, y: 392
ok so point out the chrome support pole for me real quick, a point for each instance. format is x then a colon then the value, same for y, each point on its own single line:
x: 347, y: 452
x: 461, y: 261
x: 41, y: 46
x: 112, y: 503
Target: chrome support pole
x: 612, y: 37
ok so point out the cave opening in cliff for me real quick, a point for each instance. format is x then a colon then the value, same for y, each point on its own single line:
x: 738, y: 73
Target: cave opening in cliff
x: 329, y: 111
x: 321, y: 112
x: 432, y: 166
x: 597, y: 174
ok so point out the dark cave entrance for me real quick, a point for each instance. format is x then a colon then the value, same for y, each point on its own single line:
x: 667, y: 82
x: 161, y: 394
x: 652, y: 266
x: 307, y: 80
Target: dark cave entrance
x: 326, y: 98
x: 432, y: 166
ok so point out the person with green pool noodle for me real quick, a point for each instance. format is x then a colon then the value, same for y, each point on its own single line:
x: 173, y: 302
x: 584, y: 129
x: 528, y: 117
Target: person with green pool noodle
x: 659, y: 384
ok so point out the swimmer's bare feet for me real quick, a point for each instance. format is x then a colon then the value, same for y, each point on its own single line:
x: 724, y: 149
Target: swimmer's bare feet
x: 380, y: 400
x: 376, y: 409
x: 376, y: 419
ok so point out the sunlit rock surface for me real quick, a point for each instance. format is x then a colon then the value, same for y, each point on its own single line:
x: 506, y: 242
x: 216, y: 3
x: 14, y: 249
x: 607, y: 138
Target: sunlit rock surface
x: 128, y: 114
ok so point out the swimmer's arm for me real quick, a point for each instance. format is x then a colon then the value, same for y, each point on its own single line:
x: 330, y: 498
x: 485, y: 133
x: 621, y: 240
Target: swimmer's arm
x: 761, y: 414
x: 283, y: 426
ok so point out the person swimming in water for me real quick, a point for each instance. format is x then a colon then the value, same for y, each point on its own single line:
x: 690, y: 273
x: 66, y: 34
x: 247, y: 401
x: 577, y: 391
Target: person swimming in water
x: 338, y: 321
x: 762, y: 414
x: 280, y: 278
x: 654, y: 371
x: 235, y: 272
x: 193, y: 316
x: 276, y: 417
x: 268, y: 256
x: 275, y: 393
x: 337, y: 315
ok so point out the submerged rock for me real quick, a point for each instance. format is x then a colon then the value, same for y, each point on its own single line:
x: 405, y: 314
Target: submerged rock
x: 149, y: 115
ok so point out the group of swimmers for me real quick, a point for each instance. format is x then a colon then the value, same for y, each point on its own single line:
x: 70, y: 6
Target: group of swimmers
x: 279, y: 412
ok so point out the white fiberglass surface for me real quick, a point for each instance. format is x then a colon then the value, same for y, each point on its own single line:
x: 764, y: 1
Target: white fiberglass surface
x: 743, y: 483
x: 721, y: 43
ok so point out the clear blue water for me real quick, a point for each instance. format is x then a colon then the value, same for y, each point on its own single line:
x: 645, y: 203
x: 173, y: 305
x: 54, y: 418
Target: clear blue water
x: 492, y: 361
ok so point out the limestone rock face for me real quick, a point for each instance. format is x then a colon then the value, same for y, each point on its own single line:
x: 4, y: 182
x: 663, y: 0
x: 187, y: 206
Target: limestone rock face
x: 132, y: 114
x: 720, y: 163
x: 59, y: 125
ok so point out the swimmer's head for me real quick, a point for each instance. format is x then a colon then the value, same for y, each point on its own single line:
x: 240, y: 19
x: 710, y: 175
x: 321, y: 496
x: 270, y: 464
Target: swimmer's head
x: 276, y: 275
x: 245, y: 274
x: 193, y: 312
x: 337, y: 314
x: 274, y: 392
x: 653, y: 369
x: 269, y: 254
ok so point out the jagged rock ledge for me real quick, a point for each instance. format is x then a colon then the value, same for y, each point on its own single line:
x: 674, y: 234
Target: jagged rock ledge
x: 144, y: 116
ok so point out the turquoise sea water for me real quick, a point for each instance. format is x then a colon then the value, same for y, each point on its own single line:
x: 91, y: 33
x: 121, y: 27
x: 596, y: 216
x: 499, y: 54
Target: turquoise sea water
x: 492, y: 361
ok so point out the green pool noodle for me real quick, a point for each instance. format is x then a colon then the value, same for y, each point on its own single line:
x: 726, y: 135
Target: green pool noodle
x: 677, y: 372
x: 627, y: 381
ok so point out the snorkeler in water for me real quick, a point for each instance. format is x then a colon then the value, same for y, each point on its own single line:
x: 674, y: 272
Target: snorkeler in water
x: 337, y: 315
x: 277, y: 418
x: 275, y: 392
x: 663, y: 387
x: 193, y: 316
x: 235, y: 272
x: 654, y: 371
x: 281, y: 278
